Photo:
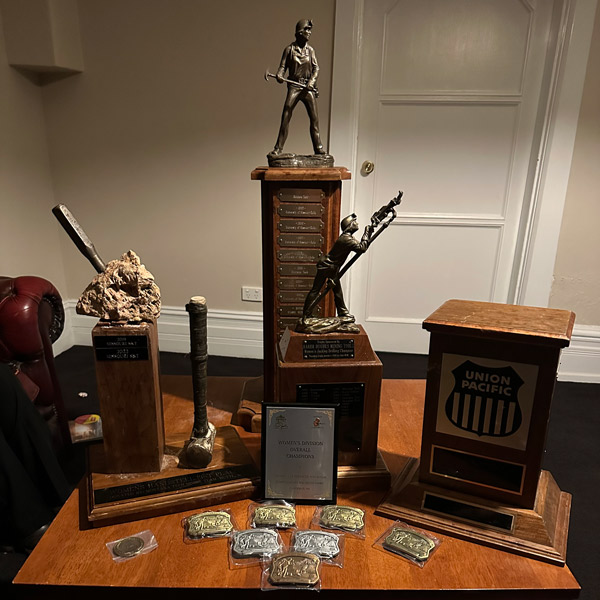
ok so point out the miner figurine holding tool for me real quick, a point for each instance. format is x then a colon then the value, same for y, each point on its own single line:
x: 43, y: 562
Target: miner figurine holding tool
x: 332, y: 267
x: 300, y: 62
x: 328, y: 267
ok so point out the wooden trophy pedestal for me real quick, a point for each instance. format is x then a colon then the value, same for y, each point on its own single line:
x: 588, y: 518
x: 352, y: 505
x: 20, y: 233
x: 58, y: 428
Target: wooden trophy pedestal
x: 540, y: 532
x: 127, y: 373
x: 230, y: 476
x: 338, y: 368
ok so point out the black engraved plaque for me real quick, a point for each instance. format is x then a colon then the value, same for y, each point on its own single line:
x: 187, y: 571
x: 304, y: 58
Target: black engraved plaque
x: 481, y: 470
x: 328, y: 349
x: 300, y: 226
x: 302, y: 240
x: 350, y: 397
x: 292, y: 297
x: 297, y: 270
x: 466, y: 511
x: 300, y: 195
x: 300, y: 210
x: 121, y: 347
x: 173, y: 484
x: 289, y: 283
x: 299, y: 255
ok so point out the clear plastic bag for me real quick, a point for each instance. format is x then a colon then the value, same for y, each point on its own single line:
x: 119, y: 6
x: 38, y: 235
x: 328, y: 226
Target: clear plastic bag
x: 207, y: 525
x: 131, y: 546
x: 411, y: 543
x: 291, y: 571
x: 348, y: 519
x: 250, y: 546
x: 327, y: 545
x: 272, y: 513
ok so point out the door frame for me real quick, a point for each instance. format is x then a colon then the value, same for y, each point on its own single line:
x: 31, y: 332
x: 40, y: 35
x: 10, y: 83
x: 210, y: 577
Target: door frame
x: 540, y: 228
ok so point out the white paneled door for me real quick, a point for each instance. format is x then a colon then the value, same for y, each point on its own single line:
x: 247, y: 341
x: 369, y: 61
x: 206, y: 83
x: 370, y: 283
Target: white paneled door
x: 451, y: 106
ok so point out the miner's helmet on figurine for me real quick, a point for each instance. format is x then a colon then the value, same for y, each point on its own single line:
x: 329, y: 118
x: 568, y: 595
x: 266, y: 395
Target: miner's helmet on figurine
x: 347, y: 223
x: 302, y: 23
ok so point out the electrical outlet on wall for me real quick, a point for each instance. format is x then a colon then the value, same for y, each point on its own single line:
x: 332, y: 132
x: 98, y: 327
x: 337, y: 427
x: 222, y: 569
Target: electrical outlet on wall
x: 251, y: 294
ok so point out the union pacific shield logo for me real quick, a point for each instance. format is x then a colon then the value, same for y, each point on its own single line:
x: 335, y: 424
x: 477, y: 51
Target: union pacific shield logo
x: 484, y: 400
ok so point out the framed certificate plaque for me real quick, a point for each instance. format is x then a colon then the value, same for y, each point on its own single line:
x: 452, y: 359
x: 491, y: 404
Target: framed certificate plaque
x: 299, y: 452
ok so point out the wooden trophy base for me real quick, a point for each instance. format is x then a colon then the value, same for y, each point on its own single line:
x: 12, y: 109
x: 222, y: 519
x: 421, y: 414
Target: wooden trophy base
x: 127, y: 373
x: 337, y: 368
x: 540, y: 532
x: 113, y: 498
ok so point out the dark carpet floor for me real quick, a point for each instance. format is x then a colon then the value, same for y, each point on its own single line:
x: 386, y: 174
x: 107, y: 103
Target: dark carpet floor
x: 572, y: 448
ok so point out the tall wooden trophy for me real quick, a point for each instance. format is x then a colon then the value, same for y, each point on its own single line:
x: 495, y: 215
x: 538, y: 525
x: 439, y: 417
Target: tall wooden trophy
x: 490, y: 380
x: 141, y: 470
x: 310, y: 355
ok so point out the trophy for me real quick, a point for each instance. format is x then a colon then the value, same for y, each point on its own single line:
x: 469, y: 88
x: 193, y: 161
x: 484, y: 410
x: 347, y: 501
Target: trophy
x: 299, y: 62
x: 140, y: 470
x: 490, y: 379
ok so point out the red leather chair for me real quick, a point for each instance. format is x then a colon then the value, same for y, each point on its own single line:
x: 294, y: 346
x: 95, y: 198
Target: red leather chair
x: 31, y: 319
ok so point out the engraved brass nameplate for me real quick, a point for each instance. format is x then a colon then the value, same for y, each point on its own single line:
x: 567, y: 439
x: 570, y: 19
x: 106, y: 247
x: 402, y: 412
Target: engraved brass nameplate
x: 291, y: 297
x: 295, y: 284
x: 299, y: 255
x: 297, y: 271
x: 300, y: 195
x: 300, y: 210
x: 300, y: 226
x: 295, y: 311
x: 287, y: 322
x: 304, y: 240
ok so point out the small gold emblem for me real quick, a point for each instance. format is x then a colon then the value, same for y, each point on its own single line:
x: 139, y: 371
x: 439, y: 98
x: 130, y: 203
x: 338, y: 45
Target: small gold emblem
x: 409, y: 543
x: 294, y: 568
x: 343, y: 517
x: 209, y: 524
x: 275, y: 516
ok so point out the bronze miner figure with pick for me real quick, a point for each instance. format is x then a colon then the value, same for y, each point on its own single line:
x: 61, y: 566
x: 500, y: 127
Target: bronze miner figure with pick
x: 331, y: 268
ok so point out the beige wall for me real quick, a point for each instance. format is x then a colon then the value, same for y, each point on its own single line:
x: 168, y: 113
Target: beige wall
x: 576, y: 272
x: 153, y: 145
x: 29, y: 243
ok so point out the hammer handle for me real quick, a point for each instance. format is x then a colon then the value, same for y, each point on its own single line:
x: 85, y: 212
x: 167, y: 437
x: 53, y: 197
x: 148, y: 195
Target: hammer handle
x: 80, y: 239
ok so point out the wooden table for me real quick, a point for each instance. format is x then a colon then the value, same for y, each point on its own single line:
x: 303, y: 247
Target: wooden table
x: 71, y: 562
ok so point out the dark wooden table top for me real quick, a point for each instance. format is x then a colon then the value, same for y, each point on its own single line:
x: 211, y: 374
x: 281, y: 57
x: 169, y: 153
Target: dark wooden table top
x: 68, y: 556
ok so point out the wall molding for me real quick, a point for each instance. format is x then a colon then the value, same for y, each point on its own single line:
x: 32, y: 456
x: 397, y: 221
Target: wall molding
x: 230, y: 333
x: 580, y: 362
x: 239, y: 334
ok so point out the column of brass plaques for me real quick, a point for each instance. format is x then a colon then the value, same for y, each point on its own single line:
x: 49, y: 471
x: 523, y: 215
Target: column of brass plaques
x: 299, y: 241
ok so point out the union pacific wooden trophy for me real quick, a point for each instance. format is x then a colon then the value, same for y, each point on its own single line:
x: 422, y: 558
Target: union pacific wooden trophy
x: 490, y: 380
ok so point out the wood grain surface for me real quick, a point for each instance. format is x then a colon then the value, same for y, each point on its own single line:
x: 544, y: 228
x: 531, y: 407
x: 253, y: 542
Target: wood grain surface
x: 68, y: 556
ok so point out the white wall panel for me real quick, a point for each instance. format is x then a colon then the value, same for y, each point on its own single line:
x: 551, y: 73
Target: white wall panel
x: 450, y: 46
x: 452, y: 158
x: 448, y: 257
